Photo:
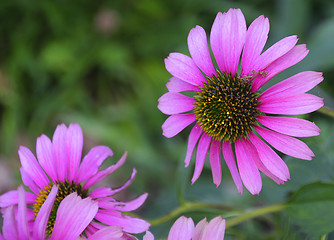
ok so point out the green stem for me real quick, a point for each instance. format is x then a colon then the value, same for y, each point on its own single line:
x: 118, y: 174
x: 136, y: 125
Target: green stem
x: 327, y: 111
x: 323, y: 237
x: 254, y: 213
x: 187, y: 207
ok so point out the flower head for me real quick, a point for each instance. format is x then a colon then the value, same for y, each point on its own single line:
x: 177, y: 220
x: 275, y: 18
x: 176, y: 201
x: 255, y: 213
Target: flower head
x: 228, y: 107
x: 60, y: 185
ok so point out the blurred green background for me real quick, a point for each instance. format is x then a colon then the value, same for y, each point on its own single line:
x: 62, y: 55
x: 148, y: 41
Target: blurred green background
x: 100, y: 63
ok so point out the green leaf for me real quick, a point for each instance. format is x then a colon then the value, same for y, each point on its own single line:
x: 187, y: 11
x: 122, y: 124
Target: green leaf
x: 312, y: 207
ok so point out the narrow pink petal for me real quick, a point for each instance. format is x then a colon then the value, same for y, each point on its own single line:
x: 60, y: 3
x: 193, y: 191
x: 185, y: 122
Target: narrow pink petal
x: 215, y: 229
x: 22, y: 223
x: 178, y: 85
x: 9, y: 227
x: 174, y: 103
x: 74, y: 143
x: 148, y: 236
x: 269, y: 158
x: 108, y: 233
x: 297, y: 84
x: 275, y: 52
x: 230, y: 162
x: 75, y: 212
x: 45, y: 156
x: 288, y: 145
x: 215, y: 163
x: 60, y: 151
x: 104, y: 173
x: 199, y: 50
x: 27, y: 180
x: 257, y: 35
x: 234, y: 36
x: 124, y: 206
x: 202, y: 150
x: 295, y: 55
x: 43, y: 215
x: 183, y: 67
x: 249, y: 172
x: 200, y: 229
x: 126, y: 184
x: 216, y: 39
x: 182, y: 229
x: 290, y: 126
x: 192, y: 141
x: 92, y: 161
x: 32, y: 167
x: 291, y: 105
x: 12, y: 198
x: 176, y: 123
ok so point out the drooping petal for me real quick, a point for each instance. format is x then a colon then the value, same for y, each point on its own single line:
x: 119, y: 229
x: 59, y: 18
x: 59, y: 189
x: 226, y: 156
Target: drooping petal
x: 257, y: 35
x: 297, y: 84
x: 295, y: 55
x: 178, y: 85
x: 202, y: 150
x: 215, y: 163
x: 249, y: 172
x: 183, y: 67
x: 9, y: 227
x: 234, y: 36
x: 269, y: 158
x: 60, y: 151
x: 176, y: 123
x: 215, y: 229
x: 32, y: 167
x: 216, y: 38
x: 199, y: 230
x: 22, y: 223
x: 43, y: 215
x: 290, y: 126
x: 286, y: 144
x: 230, y: 162
x: 92, y: 161
x: 74, y: 143
x: 45, y: 156
x: 192, y: 141
x: 148, y: 236
x: 108, y: 233
x: 182, y: 229
x: 12, y: 198
x: 174, y: 103
x: 199, y: 50
x: 75, y: 212
x: 124, y: 206
x: 291, y: 105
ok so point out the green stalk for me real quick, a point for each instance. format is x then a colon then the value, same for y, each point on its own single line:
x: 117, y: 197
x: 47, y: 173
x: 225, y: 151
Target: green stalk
x: 327, y: 111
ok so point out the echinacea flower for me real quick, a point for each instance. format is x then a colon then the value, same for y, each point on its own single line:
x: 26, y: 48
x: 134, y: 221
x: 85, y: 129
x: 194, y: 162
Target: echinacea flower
x: 228, y: 107
x: 59, y: 169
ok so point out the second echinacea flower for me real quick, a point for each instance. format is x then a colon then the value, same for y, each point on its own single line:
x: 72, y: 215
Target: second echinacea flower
x: 228, y: 107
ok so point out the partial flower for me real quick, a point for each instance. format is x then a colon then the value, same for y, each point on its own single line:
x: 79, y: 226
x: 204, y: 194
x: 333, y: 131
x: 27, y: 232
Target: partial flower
x: 59, y: 172
x: 228, y: 108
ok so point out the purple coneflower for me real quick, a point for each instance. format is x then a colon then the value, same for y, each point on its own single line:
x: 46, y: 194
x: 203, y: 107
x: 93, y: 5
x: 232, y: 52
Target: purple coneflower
x: 228, y: 107
x: 60, y: 174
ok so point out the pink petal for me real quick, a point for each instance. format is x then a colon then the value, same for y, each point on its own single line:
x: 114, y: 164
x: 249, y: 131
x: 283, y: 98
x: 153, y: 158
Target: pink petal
x: 257, y: 35
x: 104, y: 173
x: 12, y: 198
x: 124, y: 206
x: 22, y: 223
x: 43, y: 215
x: 182, y: 229
x: 45, y: 157
x: 270, y: 159
x: 174, y: 103
x: 290, y: 126
x: 176, y: 123
x: 92, y: 161
x: 291, y: 105
x: 126, y: 184
x: 148, y: 236
x: 75, y: 212
x: 202, y: 150
x: 215, y: 229
x: 60, y: 151
x: 108, y: 233
x: 200, y: 229
x: 32, y: 167
x: 178, y: 85
x: 27, y: 180
x: 295, y: 55
x: 288, y: 145
x: 9, y: 227
x: 184, y: 68
x: 199, y: 50
x: 216, y: 40
x: 249, y: 172
x: 230, y: 162
x: 297, y: 84
x: 234, y: 36
x: 193, y: 138
x: 275, y: 52
x: 215, y: 162
x: 74, y: 143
